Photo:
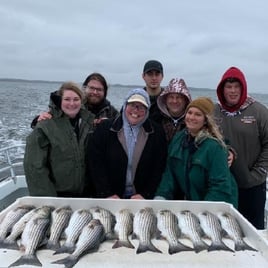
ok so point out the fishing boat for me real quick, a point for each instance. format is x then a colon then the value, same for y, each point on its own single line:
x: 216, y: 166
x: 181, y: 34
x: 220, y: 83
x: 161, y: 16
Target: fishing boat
x: 12, y: 179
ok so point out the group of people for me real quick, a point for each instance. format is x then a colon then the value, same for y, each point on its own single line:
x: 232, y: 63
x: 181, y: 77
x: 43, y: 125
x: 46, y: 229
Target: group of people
x: 160, y: 145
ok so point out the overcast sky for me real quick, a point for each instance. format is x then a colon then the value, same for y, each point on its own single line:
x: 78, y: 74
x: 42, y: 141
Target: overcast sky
x: 194, y: 39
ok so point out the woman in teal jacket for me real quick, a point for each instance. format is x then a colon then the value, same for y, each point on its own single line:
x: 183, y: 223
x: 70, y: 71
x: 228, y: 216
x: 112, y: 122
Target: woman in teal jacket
x: 197, y: 164
x: 54, y: 160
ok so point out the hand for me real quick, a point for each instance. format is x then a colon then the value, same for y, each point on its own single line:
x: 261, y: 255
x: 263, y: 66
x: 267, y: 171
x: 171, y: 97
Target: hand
x: 44, y: 116
x: 231, y: 158
x: 98, y: 120
x: 136, y: 196
x: 115, y: 196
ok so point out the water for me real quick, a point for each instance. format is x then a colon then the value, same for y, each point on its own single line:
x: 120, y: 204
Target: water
x: 21, y: 101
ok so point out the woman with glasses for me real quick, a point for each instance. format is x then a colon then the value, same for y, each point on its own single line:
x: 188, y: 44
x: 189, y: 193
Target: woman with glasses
x: 129, y: 152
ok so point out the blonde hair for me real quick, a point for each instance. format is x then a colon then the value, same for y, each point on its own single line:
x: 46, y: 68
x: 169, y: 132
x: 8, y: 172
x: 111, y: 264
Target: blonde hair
x: 212, y: 128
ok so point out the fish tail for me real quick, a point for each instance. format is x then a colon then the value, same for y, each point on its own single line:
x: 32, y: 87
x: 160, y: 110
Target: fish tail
x: 68, y: 262
x: 51, y: 245
x: 242, y: 245
x: 219, y: 246
x: 64, y: 249
x: 178, y: 248
x: 120, y: 243
x: 200, y: 246
x: 9, y: 245
x: 147, y: 247
x: 26, y: 260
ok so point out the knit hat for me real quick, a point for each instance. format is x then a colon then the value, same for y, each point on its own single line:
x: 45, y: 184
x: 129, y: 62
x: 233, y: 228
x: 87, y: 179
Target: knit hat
x: 205, y: 104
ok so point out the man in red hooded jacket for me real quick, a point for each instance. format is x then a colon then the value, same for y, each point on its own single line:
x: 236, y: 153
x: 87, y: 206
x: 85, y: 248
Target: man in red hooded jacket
x: 244, y: 123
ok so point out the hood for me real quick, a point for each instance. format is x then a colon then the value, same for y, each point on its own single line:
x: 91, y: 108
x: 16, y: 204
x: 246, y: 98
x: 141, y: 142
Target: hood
x: 232, y: 72
x: 55, y: 104
x: 176, y: 85
x: 138, y: 91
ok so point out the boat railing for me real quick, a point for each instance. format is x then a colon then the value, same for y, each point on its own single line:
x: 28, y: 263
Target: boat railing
x: 11, y: 161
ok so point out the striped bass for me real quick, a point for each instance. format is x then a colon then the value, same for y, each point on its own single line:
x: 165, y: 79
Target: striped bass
x: 11, y: 218
x: 167, y: 224
x: 190, y: 228
x: 78, y: 220
x: 17, y: 229
x: 59, y: 220
x: 145, y: 228
x: 32, y: 237
x: 234, y: 231
x: 89, y: 240
x: 106, y: 218
x: 123, y: 228
x: 212, y: 228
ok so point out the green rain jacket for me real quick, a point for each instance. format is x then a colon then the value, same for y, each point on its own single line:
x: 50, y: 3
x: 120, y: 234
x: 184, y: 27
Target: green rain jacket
x: 54, y: 160
x: 200, y: 173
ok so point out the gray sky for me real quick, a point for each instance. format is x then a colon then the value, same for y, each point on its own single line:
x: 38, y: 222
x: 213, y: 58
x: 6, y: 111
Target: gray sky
x: 194, y: 39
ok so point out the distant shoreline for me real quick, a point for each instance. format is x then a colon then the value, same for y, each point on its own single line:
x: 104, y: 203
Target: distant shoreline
x: 47, y: 81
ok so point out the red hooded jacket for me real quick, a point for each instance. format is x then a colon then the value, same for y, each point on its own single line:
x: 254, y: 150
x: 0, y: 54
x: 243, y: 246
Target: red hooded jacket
x: 232, y: 72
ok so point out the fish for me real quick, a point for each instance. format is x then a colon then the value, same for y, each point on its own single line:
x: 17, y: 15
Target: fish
x: 32, y: 237
x: 11, y: 218
x: 107, y: 219
x: 167, y: 224
x: 59, y: 220
x: 211, y: 226
x: 78, y: 220
x: 190, y: 228
x: 89, y: 240
x: 11, y: 240
x: 123, y: 228
x: 145, y: 228
x: 234, y: 231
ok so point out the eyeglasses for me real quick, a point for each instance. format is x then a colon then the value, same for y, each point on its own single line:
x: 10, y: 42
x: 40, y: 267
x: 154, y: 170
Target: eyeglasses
x: 134, y: 106
x: 92, y: 89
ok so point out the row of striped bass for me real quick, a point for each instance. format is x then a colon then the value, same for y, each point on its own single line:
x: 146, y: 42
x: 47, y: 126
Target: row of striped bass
x: 61, y: 230
x: 33, y: 235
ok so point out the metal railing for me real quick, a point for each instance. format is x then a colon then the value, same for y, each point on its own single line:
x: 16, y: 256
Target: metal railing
x: 11, y: 161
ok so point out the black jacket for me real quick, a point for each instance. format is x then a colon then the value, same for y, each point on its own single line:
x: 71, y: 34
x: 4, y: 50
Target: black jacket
x: 108, y: 163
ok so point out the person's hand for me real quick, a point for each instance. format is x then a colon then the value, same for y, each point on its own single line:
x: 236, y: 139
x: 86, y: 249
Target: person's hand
x: 231, y: 157
x: 44, y: 116
x: 115, y: 196
x: 98, y: 120
x: 136, y: 196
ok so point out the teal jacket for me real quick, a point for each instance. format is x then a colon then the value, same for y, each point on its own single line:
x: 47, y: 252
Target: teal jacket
x: 199, y: 170
x: 54, y: 160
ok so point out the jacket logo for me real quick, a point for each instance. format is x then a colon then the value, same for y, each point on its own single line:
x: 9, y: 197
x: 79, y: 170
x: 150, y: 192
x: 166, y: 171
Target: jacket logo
x: 248, y: 119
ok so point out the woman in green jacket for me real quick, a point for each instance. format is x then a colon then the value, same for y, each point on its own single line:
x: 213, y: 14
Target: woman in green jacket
x: 197, y: 164
x: 54, y: 160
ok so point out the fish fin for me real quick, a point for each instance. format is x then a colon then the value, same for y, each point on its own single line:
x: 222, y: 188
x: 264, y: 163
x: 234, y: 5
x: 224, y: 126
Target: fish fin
x: 68, y: 262
x: 120, y: 243
x: 147, y: 247
x: 219, y: 246
x: 134, y: 236
x: 242, y: 245
x: 26, y: 260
